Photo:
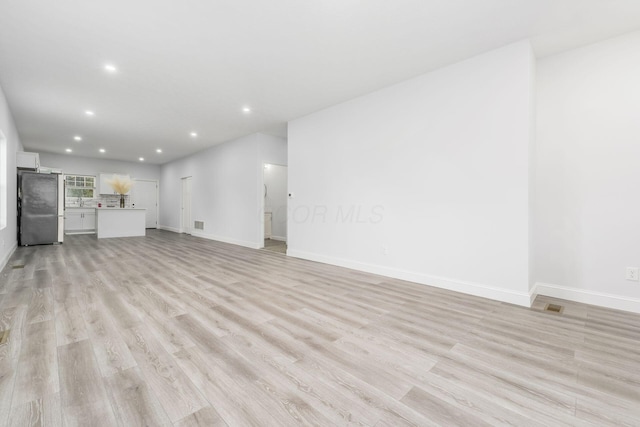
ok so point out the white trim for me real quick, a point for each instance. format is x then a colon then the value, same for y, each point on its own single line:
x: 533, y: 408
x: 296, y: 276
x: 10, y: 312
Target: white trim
x: 278, y: 238
x: 471, y: 288
x: 172, y: 229
x: 7, y: 257
x: 533, y: 293
x: 584, y: 296
x: 245, y: 243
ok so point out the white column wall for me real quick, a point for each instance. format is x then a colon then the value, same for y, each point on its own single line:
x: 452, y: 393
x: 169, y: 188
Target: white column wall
x: 427, y: 180
x: 588, y: 173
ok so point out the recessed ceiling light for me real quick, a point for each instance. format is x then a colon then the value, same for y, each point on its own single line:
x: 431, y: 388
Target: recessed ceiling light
x: 102, y: 150
x: 246, y: 110
x: 110, y: 68
x: 90, y: 113
x: 77, y: 138
x: 194, y: 134
x: 68, y: 150
x: 159, y: 150
x: 141, y: 159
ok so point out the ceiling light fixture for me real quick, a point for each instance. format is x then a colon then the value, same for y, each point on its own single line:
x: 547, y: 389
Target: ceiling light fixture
x: 159, y: 150
x: 110, y: 68
x: 246, y: 109
x: 77, y: 138
x: 90, y: 113
x: 102, y: 150
x: 68, y: 150
x: 194, y: 134
x: 141, y: 159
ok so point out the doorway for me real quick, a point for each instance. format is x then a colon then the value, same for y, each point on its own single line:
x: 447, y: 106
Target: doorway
x: 185, y: 213
x: 275, y: 207
x: 144, y: 194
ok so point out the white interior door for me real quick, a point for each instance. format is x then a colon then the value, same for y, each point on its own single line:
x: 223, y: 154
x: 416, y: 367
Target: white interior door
x: 186, y: 205
x: 144, y: 194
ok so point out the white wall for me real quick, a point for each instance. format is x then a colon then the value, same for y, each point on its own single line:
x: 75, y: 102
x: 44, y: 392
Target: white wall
x: 427, y: 180
x: 275, y: 179
x: 8, y: 235
x: 588, y: 173
x: 226, y: 188
x: 92, y: 166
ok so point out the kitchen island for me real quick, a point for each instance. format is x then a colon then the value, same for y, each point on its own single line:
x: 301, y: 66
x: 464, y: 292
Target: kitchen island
x: 120, y: 222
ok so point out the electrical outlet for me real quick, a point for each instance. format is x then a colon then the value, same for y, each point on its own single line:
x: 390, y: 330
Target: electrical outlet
x: 385, y: 250
x: 632, y: 273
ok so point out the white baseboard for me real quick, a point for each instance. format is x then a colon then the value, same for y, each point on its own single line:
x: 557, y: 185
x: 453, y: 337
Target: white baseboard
x: 7, y: 256
x: 245, y: 243
x: 471, y: 288
x: 279, y: 238
x: 533, y: 293
x: 588, y: 297
x: 172, y: 229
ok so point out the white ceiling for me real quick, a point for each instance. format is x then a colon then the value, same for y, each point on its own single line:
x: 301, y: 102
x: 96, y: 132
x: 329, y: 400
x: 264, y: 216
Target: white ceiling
x: 192, y: 65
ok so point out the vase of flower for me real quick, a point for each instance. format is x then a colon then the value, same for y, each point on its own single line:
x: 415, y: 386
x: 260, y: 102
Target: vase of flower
x: 121, y: 185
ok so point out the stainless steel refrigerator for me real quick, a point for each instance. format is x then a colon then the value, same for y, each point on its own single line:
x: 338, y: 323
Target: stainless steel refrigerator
x: 40, y: 208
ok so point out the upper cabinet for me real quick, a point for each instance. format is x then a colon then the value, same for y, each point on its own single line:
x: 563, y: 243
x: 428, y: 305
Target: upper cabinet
x: 26, y: 160
x: 103, y: 185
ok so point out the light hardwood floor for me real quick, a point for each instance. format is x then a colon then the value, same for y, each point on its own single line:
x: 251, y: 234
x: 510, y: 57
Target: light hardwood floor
x: 174, y: 330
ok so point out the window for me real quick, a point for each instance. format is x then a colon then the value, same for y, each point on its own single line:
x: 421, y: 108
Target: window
x: 80, y: 187
x: 4, y: 176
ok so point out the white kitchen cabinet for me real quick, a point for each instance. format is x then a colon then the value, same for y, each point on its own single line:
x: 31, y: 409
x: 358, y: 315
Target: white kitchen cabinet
x: 25, y: 160
x: 72, y: 221
x: 104, y: 187
x: 120, y: 222
x: 80, y: 220
x: 89, y: 220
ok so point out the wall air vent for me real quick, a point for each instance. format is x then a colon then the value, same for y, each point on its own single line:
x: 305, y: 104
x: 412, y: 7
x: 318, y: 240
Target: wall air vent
x: 198, y: 225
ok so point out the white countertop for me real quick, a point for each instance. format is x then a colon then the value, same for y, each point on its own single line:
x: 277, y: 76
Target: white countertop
x: 104, y: 208
x: 120, y: 209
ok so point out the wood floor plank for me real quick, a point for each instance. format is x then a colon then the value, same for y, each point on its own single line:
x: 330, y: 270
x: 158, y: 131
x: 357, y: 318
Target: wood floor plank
x: 238, y: 401
x: 273, y: 368
x: 42, y: 412
x: 82, y: 394
x: 8, y: 368
x: 40, y: 305
x: 367, y: 370
x: 70, y: 326
x: 205, y: 417
x: 112, y: 353
x: 439, y: 410
x: 37, y: 373
x: 171, y: 329
x: 132, y: 402
x: 176, y: 393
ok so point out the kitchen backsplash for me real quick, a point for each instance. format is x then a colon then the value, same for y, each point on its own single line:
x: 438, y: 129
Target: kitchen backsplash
x: 107, y: 200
